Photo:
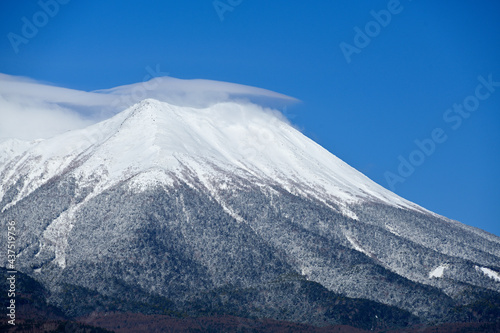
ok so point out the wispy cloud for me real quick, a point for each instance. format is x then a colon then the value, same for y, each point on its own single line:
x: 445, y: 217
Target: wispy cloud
x: 31, y: 110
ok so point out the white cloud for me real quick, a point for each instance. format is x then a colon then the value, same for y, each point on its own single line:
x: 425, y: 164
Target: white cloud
x: 27, y: 121
x: 31, y: 110
x: 194, y: 93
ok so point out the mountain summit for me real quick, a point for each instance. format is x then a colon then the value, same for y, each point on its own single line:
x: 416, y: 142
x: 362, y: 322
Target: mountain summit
x: 228, y: 206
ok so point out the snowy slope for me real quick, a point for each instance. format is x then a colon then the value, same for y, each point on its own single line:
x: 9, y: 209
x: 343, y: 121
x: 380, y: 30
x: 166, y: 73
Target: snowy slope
x: 163, y: 139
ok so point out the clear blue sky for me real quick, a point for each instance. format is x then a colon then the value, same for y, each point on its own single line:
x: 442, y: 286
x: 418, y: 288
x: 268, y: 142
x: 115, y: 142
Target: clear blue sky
x: 395, y: 90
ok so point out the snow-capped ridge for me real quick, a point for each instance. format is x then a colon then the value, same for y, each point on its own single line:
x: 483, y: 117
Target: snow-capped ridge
x: 229, y: 137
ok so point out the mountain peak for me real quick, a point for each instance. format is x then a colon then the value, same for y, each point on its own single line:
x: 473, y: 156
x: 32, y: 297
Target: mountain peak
x: 148, y: 110
x: 148, y: 107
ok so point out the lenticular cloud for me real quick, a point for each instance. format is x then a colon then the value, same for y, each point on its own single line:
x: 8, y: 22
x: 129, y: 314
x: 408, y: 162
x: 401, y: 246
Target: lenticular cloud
x: 31, y: 110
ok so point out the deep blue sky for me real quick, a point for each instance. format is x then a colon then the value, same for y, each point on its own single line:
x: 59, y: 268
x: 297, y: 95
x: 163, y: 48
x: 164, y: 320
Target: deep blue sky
x: 367, y: 112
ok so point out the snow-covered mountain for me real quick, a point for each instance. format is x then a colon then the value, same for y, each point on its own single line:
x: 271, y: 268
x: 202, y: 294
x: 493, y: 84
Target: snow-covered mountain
x: 176, y: 201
